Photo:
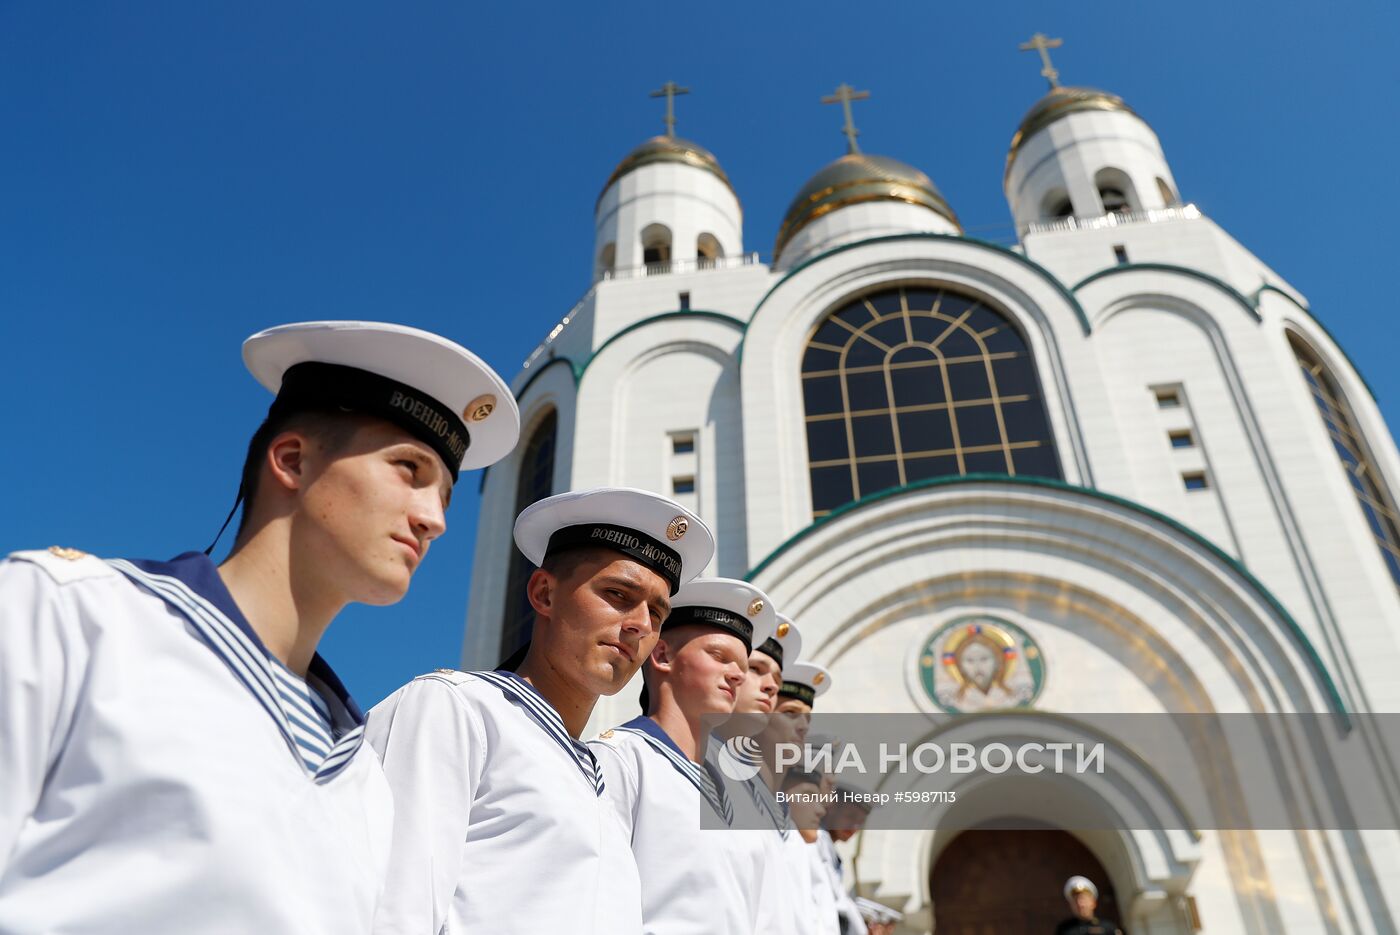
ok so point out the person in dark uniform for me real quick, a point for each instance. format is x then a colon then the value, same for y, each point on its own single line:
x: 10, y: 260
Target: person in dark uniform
x: 1083, y: 898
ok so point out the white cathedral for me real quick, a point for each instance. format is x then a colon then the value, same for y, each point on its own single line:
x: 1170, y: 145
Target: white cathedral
x: 1123, y: 455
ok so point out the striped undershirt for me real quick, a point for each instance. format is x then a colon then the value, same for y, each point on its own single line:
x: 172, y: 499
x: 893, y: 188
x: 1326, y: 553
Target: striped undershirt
x: 308, y: 714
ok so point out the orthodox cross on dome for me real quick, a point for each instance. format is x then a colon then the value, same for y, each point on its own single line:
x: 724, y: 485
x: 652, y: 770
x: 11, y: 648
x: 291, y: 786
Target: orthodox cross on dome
x: 843, y: 96
x: 669, y: 90
x: 1043, y: 44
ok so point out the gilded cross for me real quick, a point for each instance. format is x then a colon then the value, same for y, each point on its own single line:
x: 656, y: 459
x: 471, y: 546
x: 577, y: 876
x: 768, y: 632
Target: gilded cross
x: 1042, y: 43
x: 669, y: 90
x: 843, y: 96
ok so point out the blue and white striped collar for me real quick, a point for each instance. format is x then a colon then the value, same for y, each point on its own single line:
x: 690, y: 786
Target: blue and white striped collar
x: 757, y: 789
x: 539, y: 710
x: 699, y: 775
x: 190, y: 585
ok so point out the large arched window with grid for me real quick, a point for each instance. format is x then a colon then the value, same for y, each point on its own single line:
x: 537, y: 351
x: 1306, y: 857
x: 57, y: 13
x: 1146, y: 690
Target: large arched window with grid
x: 534, y: 482
x: 1376, y: 504
x: 915, y: 382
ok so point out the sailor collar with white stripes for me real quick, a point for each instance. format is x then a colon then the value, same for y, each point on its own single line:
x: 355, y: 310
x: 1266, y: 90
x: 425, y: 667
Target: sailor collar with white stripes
x: 191, y: 586
x: 699, y: 775
x: 539, y: 710
x: 758, y: 791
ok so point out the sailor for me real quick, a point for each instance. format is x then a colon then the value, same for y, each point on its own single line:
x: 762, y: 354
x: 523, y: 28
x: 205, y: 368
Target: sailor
x: 1083, y: 898
x: 842, y: 820
x: 813, y: 908
x: 500, y: 824
x: 696, y: 875
x: 760, y: 822
x: 176, y: 758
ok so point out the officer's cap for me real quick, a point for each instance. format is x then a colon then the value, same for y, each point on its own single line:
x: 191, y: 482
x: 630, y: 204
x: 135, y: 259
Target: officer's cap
x: 1077, y: 884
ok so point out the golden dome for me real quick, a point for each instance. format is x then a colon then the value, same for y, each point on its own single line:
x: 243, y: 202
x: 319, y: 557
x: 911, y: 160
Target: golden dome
x: 1058, y: 103
x: 858, y: 177
x: 668, y: 149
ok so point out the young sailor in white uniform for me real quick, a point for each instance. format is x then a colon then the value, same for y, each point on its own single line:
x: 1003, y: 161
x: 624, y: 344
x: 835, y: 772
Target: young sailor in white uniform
x: 760, y: 822
x: 697, y: 876
x: 812, y: 910
x: 174, y: 756
x: 840, y: 823
x: 500, y: 825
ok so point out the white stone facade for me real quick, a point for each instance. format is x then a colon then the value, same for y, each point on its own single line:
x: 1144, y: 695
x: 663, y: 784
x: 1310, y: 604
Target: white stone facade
x: 1262, y: 592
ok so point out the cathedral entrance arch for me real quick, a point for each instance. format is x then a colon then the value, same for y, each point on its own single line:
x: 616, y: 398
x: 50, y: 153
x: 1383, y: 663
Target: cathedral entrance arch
x: 995, y: 881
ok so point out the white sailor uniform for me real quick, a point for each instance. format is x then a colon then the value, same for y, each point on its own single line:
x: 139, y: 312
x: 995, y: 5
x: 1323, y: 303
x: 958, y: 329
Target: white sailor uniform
x: 762, y: 825
x: 799, y: 869
x: 152, y: 776
x: 850, y: 921
x: 500, y: 825
x: 695, y: 879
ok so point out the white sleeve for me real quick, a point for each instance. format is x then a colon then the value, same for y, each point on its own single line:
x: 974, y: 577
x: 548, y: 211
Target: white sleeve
x: 433, y: 749
x: 620, y: 788
x: 41, y: 665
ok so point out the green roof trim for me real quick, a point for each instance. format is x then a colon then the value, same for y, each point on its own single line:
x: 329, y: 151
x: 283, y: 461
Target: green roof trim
x: 1320, y: 669
x: 1259, y: 294
x: 540, y: 372
x: 1249, y: 307
x: 664, y: 316
x: 1049, y: 277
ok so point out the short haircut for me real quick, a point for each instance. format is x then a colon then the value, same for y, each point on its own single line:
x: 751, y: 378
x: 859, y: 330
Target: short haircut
x: 564, y: 563
x: 331, y: 429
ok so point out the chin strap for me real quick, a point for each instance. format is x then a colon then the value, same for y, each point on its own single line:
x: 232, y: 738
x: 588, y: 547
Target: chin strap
x: 228, y: 519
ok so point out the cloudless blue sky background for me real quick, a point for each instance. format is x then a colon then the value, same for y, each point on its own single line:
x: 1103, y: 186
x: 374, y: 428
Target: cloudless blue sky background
x: 175, y: 176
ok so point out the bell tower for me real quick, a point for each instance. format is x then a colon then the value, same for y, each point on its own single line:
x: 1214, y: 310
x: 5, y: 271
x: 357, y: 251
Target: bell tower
x: 1083, y: 153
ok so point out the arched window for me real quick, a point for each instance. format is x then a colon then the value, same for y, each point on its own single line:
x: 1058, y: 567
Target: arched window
x: 534, y: 482
x: 1116, y: 191
x: 1376, y: 504
x: 918, y: 382
x: 656, y: 247
x: 607, y: 259
x: 707, y: 250
x: 1165, y: 190
x: 1056, y: 205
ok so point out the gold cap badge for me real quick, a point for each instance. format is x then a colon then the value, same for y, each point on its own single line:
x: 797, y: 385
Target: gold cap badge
x: 818, y: 678
x: 677, y: 528
x: 478, y: 409
x: 756, y: 607
x: 783, y: 629
x: 71, y: 555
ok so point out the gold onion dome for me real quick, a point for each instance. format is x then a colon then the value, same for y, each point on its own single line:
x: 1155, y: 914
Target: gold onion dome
x: 1061, y: 102
x: 855, y: 178
x: 668, y: 149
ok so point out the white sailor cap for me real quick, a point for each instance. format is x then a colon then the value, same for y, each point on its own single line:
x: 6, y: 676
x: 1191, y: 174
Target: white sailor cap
x: 785, y: 643
x: 431, y: 387
x: 805, y: 681
x: 727, y: 604
x: 645, y: 526
x: 1078, y: 884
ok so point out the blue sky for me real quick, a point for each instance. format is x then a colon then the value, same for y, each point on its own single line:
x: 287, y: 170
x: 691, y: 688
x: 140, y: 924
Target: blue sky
x: 175, y: 176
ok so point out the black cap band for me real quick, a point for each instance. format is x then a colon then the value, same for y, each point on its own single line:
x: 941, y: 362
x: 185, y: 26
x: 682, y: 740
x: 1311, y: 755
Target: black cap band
x: 803, y: 693
x: 771, y: 647
x: 663, y: 560
x: 716, y: 617
x: 314, y: 383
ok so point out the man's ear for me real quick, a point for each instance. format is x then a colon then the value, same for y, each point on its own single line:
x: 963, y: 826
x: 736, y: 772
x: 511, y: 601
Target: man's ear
x: 286, y: 459
x: 662, y: 657
x: 540, y: 590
